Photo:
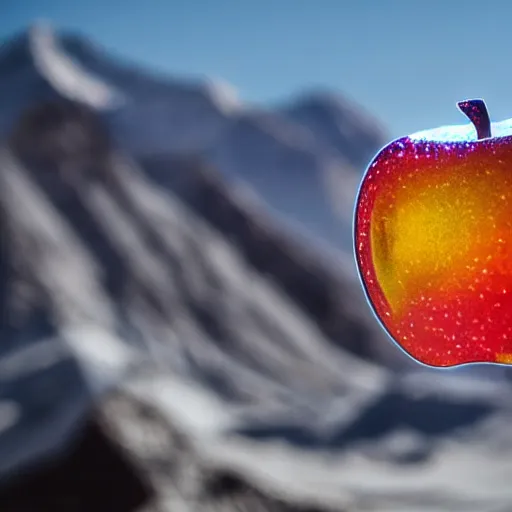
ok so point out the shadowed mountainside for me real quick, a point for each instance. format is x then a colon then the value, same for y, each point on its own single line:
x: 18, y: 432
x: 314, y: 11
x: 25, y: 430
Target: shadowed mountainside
x: 147, y: 296
x: 159, y: 278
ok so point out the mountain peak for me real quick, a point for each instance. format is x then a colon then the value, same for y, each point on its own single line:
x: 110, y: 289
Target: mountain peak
x: 223, y: 94
x: 336, y: 104
x: 40, y: 25
x: 343, y: 125
x: 41, y: 47
x: 66, y: 76
x: 300, y: 147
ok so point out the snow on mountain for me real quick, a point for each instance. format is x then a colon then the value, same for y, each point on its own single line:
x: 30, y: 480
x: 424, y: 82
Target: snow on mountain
x: 224, y: 95
x: 153, y: 277
x: 65, y: 75
x: 304, y: 160
x: 104, y: 251
x: 252, y: 372
x: 339, y: 126
x: 180, y: 115
x: 281, y: 162
x: 34, y: 68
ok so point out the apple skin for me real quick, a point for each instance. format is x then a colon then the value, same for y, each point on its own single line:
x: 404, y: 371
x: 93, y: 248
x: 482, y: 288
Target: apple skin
x: 433, y: 244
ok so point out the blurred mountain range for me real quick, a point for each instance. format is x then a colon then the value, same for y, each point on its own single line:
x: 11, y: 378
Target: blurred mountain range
x: 293, y: 157
x: 163, y: 241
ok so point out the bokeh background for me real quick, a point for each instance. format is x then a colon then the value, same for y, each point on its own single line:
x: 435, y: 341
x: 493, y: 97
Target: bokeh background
x: 182, y: 326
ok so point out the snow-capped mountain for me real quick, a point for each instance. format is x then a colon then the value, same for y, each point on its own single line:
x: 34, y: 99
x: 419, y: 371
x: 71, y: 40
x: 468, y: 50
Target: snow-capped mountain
x: 34, y: 68
x: 129, y: 262
x: 156, y: 277
x: 66, y: 76
x: 304, y: 159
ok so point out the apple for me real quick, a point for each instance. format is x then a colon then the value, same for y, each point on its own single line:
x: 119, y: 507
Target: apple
x: 433, y: 241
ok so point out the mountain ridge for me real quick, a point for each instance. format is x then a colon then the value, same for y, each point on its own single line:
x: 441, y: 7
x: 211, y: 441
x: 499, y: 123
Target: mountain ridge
x: 234, y: 358
x: 197, y: 116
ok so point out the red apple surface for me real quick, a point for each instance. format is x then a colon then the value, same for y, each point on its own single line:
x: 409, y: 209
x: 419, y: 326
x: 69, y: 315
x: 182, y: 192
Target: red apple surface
x: 433, y: 236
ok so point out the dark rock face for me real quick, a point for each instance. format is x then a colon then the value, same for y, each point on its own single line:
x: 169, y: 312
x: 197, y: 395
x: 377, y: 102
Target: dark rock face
x: 178, y: 472
x: 20, y: 87
x: 93, y: 475
x: 64, y: 137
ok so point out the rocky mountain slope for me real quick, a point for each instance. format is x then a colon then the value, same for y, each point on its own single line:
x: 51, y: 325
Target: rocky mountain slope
x: 234, y: 361
x: 290, y: 156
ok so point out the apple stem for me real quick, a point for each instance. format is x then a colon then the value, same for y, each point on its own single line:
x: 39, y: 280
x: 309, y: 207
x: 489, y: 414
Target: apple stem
x: 476, y: 111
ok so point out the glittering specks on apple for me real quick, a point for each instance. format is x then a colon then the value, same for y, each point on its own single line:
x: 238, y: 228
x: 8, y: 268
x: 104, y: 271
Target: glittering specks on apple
x: 433, y: 235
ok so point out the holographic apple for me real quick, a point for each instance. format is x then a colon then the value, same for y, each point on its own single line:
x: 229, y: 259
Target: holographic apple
x: 433, y: 241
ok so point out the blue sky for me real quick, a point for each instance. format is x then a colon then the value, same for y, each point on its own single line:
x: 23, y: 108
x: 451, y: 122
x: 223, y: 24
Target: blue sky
x: 407, y: 62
